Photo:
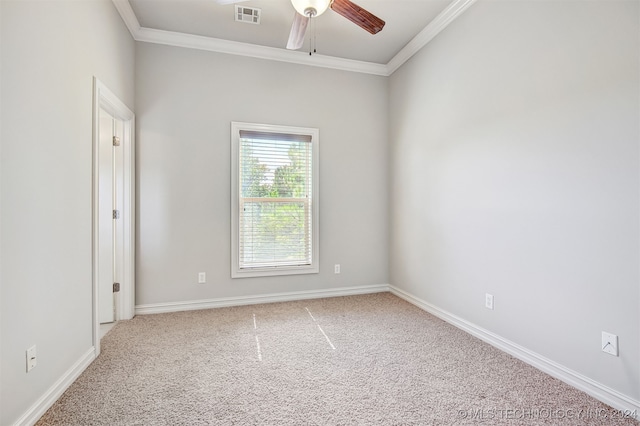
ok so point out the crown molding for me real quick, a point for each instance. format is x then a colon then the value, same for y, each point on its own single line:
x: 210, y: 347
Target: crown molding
x: 429, y: 32
x: 254, y: 51
x: 191, y: 41
x: 130, y: 19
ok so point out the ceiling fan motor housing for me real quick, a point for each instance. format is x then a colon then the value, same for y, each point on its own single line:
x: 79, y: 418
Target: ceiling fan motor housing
x: 307, y: 9
x: 311, y: 8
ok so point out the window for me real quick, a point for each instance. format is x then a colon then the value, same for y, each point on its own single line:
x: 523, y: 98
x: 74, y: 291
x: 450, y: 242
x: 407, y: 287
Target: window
x: 274, y: 200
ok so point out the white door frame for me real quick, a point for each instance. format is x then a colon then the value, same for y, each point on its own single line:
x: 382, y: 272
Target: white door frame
x: 125, y: 299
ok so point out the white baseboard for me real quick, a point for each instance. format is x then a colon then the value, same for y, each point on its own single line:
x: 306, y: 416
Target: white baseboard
x: 597, y: 390
x: 158, y: 308
x: 36, y: 411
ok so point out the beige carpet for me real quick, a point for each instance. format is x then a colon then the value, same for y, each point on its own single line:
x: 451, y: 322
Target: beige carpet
x: 359, y: 360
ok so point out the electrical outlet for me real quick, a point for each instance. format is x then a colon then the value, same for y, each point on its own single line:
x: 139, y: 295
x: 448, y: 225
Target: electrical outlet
x: 202, y: 278
x: 336, y: 268
x: 610, y: 343
x: 488, y: 301
x: 31, y: 358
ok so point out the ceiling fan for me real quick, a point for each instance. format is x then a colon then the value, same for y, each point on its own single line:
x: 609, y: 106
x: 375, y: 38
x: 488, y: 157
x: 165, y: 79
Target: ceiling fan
x: 307, y: 9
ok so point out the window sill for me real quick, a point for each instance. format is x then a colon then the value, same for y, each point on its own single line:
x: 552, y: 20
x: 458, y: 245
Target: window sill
x: 274, y: 271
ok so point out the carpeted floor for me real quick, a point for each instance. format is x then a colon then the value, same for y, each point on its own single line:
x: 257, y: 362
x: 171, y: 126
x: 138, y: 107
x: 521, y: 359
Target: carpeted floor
x: 358, y: 360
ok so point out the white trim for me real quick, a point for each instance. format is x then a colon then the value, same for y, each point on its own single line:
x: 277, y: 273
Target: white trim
x: 429, y: 32
x: 211, y: 44
x: 160, y: 308
x: 127, y: 295
x: 37, y: 410
x: 597, y: 390
x: 128, y: 16
x: 104, y: 98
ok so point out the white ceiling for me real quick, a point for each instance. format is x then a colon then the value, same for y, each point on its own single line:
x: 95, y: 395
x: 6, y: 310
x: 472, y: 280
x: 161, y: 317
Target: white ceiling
x: 335, y: 35
x: 205, y: 24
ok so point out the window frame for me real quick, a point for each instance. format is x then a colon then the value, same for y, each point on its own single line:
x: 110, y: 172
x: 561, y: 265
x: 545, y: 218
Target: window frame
x: 314, y: 267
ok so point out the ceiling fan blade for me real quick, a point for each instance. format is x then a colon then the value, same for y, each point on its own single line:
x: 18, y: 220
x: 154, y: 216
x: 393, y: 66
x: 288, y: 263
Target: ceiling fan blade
x: 358, y: 15
x: 298, y: 30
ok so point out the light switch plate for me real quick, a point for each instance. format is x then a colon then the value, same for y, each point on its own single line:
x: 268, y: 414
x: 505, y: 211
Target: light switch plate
x: 609, y: 343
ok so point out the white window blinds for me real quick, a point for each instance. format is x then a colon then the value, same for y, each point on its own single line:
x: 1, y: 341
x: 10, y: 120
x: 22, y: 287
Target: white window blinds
x: 275, y: 200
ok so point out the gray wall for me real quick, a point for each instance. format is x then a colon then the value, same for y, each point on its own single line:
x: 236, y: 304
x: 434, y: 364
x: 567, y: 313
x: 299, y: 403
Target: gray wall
x: 514, y: 171
x: 50, y: 52
x: 185, y: 101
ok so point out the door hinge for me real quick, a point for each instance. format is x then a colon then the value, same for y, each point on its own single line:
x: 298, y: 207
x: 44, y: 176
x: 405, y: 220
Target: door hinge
x: 116, y: 141
x: 116, y: 287
x: 116, y: 214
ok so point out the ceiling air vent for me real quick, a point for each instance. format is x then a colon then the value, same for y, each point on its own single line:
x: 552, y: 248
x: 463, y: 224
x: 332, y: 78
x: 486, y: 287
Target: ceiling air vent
x: 250, y: 15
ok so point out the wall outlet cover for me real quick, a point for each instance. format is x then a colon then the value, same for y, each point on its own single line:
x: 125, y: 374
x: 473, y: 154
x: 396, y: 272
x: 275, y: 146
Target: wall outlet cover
x: 31, y: 358
x: 488, y: 301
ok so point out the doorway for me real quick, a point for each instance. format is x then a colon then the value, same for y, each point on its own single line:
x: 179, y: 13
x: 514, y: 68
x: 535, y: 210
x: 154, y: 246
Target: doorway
x: 113, y: 211
x: 110, y: 229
